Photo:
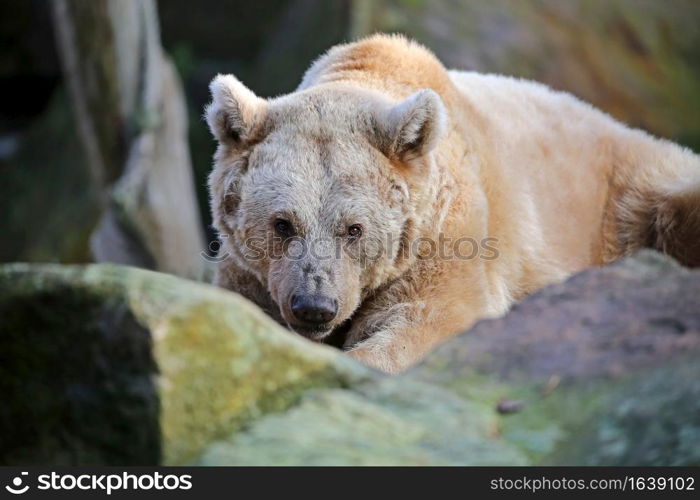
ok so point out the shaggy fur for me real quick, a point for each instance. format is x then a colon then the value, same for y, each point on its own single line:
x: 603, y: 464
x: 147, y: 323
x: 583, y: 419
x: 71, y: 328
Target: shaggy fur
x: 380, y: 134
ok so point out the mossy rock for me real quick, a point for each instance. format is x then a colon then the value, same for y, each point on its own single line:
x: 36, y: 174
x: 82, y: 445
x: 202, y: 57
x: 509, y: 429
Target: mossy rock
x: 106, y: 364
x: 110, y: 364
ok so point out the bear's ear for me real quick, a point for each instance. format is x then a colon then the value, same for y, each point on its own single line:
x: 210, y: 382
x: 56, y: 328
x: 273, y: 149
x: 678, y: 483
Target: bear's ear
x: 413, y: 127
x: 234, y: 112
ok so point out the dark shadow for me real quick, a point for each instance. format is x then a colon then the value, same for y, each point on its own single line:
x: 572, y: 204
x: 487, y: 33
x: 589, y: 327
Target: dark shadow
x: 77, y: 389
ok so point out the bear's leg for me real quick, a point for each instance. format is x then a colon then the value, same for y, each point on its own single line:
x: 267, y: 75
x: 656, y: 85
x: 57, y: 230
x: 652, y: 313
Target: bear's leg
x: 398, y: 330
x: 655, y: 195
x: 392, y: 351
x: 668, y: 221
x: 676, y: 226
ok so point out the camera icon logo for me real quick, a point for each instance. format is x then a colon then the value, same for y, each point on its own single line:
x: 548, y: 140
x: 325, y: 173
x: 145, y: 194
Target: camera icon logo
x: 16, y: 487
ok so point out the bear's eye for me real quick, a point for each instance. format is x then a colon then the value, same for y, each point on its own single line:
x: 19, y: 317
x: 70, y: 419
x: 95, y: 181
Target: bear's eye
x: 355, y: 231
x: 284, y: 228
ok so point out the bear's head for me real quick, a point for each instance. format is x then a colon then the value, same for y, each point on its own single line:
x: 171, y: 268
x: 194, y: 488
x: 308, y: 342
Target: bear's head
x: 315, y: 193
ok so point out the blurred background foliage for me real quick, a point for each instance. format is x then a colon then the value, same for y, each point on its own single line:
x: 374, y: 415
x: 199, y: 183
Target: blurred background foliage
x: 639, y: 60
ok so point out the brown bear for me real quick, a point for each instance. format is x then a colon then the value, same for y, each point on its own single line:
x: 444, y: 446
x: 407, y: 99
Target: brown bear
x: 390, y: 202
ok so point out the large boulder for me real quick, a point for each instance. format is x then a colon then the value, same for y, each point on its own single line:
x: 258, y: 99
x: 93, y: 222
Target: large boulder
x: 115, y: 365
x: 604, y: 365
x: 109, y: 364
x: 601, y: 369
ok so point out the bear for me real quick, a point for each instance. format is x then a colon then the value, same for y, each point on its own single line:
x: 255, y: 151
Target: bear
x: 343, y: 208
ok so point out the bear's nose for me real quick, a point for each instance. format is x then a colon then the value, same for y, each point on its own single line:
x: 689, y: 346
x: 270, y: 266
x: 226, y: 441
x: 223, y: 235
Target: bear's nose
x: 314, y: 309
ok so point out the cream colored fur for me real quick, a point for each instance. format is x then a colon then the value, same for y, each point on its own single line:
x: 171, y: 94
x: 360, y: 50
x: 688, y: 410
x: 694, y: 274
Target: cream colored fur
x: 380, y: 134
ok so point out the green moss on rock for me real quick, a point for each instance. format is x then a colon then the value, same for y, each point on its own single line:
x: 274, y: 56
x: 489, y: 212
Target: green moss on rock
x: 107, y: 364
x: 390, y: 422
x: 217, y: 361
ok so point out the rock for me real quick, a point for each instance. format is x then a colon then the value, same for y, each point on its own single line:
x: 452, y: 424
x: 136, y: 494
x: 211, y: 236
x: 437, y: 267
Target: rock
x: 380, y: 422
x: 606, y: 363
x: 598, y: 376
x: 98, y: 169
x: 131, y: 119
x: 115, y: 365
x: 607, y: 322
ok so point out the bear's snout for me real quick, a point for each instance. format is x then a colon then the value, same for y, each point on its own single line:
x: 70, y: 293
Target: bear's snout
x: 314, y: 310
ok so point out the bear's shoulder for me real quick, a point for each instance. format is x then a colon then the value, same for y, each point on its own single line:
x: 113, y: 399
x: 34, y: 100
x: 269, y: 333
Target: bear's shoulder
x: 379, y: 57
